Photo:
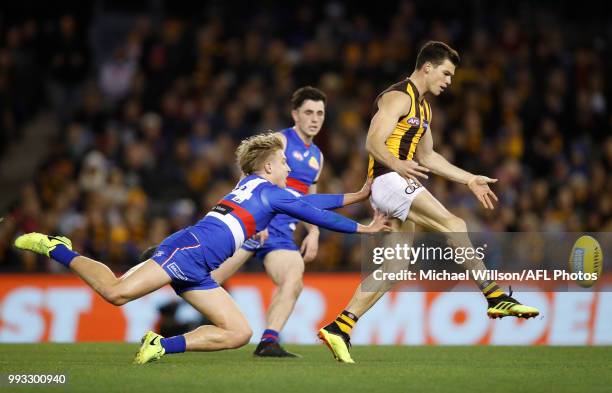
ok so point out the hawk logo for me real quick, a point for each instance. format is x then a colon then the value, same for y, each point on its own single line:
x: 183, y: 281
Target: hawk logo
x: 414, y: 121
x: 297, y: 155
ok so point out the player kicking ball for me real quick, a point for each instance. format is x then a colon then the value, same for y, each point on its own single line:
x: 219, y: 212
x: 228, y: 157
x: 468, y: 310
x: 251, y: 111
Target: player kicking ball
x: 186, y: 258
x: 398, y: 137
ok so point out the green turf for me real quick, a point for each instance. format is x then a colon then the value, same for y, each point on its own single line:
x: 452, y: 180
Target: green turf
x: 108, y: 368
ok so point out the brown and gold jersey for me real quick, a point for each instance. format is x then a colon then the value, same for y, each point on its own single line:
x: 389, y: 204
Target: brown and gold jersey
x: 409, y: 129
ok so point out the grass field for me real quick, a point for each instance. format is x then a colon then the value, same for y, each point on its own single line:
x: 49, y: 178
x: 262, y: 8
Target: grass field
x: 108, y: 368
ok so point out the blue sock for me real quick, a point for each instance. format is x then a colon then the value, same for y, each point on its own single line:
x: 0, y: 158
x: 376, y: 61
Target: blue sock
x: 269, y: 336
x: 174, y: 344
x: 63, y: 254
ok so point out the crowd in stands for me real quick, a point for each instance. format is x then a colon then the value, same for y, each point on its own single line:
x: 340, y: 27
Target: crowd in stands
x: 148, y: 128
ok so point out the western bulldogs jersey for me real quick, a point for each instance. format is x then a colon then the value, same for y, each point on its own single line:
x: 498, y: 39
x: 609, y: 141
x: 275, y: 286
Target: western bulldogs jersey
x: 251, y: 206
x: 304, y: 161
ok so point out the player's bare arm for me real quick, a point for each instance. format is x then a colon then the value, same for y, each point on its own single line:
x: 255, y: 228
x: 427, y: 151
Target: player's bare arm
x: 360, y: 195
x: 310, y: 244
x: 439, y: 165
x: 391, y: 106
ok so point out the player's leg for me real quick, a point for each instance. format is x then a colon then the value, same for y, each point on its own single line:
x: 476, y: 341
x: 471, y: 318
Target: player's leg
x: 286, y: 269
x: 183, y: 258
x: 230, y: 328
x: 429, y: 213
x: 392, y: 195
x: 139, y: 281
x: 231, y: 265
x: 136, y: 283
x: 336, y: 335
x: 371, y: 289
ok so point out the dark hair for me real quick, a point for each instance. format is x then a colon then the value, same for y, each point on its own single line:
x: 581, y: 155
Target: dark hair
x: 306, y: 93
x: 436, y: 52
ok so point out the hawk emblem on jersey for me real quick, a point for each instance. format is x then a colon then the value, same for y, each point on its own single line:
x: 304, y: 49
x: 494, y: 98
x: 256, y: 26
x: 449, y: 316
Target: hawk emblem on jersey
x: 306, y: 154
x: 414, y: 121
x: 296, y: 154
x: 313, y: 163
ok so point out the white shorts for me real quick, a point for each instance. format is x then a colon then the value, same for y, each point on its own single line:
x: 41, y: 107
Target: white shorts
x: 393, y: 195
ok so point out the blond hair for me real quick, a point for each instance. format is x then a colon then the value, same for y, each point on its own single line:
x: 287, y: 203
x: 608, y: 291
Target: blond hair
x: 254, y: 151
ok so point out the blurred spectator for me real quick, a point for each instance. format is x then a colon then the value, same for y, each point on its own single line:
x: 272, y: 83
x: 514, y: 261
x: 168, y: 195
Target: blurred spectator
x: 116, y: 75
x: 147, y: 136
x: 69, y: 65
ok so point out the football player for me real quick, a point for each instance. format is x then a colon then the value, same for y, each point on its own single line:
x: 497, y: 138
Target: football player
x: 186, y: 258
x: 400, y: 144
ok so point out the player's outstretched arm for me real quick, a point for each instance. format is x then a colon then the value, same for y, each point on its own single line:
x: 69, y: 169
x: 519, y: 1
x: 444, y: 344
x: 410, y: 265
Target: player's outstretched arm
x: 479, y: 185
x: 360, y: 195
x: 336, y: 201
x: 380, y: 223
x: 309, y: 246
x: 284, y: 202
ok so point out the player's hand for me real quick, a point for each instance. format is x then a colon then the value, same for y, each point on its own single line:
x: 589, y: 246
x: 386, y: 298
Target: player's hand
x: 379, y: 223
x: 479, y: 185
x: 261, y: 236
x: 310, y: 246
x: 410, y: 169
x: 365, y: 191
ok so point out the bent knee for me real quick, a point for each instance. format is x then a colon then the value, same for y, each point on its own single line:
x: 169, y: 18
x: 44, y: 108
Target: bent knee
x: 241, y: 337
x: 292, y: 285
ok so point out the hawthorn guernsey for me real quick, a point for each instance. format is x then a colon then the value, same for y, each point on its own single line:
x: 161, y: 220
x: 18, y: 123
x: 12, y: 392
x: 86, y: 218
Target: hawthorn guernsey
x: 249, y: 208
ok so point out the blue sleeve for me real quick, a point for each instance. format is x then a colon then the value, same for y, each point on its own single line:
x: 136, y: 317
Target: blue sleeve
x: 325, y: 201
x: 281, y: 201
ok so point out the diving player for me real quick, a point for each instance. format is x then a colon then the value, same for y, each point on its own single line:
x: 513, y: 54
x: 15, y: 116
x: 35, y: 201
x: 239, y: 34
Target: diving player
x: 282, y: 258
x: 185, y: 259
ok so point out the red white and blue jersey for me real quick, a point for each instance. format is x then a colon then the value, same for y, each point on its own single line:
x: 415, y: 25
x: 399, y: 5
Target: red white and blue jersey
x: 251, y: 206
x: 304, y: 160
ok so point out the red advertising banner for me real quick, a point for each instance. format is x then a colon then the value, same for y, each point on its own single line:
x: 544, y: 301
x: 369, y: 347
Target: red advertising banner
x: 60, y: 308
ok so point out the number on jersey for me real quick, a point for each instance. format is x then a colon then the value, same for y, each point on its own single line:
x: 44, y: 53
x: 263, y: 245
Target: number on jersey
x: 245, y: 191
